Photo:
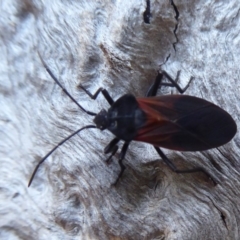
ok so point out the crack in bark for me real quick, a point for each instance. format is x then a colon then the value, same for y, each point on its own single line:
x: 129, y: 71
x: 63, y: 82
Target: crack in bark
x: 176, y: 26
x: 168, y: 56
x: 147, y: 13
x: 222, y: 215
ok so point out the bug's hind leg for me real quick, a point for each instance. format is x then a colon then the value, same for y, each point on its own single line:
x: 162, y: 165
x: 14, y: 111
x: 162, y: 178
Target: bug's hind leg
x: 152, y: 91
x: 174, y: 168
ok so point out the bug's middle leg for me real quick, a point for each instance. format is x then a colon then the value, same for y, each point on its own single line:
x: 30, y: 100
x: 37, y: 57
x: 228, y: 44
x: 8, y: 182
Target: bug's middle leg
x: 152, y: 91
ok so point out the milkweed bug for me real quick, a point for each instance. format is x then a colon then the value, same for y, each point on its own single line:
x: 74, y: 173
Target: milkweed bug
x: 176, y: 122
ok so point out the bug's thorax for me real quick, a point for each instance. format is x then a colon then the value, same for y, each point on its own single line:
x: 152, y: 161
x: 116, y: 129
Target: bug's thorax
x: 123, y: 118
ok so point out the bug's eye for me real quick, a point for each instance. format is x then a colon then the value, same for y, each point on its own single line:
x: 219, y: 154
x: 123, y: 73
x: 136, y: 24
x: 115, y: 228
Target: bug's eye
x: 113, y: 124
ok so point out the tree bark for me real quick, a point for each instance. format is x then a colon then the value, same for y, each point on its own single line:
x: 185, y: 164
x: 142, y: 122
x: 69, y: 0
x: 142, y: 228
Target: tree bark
x: 120, y: 46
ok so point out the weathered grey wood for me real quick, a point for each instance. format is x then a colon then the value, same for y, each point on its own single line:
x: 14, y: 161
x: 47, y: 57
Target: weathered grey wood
x: 107, y: 43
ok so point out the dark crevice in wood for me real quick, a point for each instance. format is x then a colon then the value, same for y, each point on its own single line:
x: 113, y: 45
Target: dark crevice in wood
x: 147, y: 13
x: 176, y: 26
x: 168, y: 56
x: 222, y: 215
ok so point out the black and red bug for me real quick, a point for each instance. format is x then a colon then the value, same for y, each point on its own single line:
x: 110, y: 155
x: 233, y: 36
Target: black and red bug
x: 177, y: 122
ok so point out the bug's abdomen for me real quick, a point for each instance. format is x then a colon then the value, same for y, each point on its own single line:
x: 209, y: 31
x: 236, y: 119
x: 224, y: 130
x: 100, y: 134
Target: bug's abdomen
x: 184, y: 123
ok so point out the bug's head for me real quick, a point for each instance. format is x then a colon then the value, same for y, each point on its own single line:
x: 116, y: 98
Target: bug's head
x: 101, y: 120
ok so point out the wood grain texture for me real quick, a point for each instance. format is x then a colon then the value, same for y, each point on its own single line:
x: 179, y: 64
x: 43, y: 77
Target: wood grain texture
x: 107, y: 44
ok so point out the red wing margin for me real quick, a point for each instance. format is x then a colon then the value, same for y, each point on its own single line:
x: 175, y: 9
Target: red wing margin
x: 184, y: 123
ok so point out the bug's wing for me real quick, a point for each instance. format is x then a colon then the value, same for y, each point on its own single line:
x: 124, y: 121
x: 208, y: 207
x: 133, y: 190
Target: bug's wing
x: 184, y: 123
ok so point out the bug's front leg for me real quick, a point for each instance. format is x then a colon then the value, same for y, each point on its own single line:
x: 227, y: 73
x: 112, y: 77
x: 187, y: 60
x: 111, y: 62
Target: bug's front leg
x: 120, y: 161
x: 104, y: 92
x: 111, y: 148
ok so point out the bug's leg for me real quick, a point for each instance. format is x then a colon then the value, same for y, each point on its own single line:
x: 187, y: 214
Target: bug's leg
x: 111, y: 147
x: 61, y: 86
x: 174, y: 168
x: 152, y: 91
x: 122, y: 155
x: 174, y: 82
x: 114, y: 150
x: 94, y: 96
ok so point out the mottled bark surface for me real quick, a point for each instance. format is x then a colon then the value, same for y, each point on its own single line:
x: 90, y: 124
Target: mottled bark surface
x: 108, y: 44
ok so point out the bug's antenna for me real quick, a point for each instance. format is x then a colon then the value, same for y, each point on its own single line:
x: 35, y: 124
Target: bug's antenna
x: 60, y: 85
x: 59, y: 144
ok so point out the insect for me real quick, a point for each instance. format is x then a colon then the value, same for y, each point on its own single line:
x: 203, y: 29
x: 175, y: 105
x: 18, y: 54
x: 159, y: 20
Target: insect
x: 176, y: 122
